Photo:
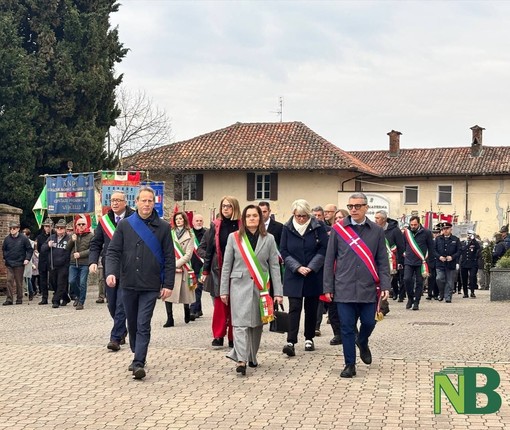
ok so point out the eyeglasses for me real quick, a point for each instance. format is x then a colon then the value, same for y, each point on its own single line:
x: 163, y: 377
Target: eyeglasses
x: 13, y: 228
x: 301, y: 216
x: 357, y: 207
x: 226, y: 206
x: 81, y: 225
x: 116, y: 200
x: 60, y: 228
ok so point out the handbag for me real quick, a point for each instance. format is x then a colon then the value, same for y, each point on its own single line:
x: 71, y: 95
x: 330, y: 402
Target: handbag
x: 280, y: 324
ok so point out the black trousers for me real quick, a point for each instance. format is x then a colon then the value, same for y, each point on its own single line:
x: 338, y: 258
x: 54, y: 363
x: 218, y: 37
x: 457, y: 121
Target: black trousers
x: 295, y: 308
x: 468, y: 276
x: 433, y: 289
x: 59, y: 277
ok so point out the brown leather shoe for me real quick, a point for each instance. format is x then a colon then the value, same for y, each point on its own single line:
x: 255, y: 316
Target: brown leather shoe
x: 113, y: 346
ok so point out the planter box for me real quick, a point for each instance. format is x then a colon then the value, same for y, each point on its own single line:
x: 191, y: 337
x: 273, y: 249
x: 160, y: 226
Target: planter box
x: 500, y: 284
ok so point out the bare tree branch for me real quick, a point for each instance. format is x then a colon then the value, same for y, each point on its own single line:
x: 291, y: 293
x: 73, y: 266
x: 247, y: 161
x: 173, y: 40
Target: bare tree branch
x: 141, y: 125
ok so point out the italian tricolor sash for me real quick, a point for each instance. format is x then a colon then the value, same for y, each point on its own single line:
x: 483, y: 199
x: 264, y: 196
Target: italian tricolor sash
x: 179, y: 253
x: 418, y: 252
x: 392, y: 256
x: 260, y: 278
x: 361, y: 249
x: 196, y: 244
x: 108, y: 226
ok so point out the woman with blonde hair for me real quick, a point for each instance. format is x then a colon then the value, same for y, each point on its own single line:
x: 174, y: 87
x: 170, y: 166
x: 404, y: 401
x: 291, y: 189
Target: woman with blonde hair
x: 303, y: 248
x: 185, y: 279
x: 228, y: 222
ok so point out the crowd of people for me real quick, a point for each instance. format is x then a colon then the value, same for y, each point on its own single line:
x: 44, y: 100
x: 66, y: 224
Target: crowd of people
x: 326, y: 261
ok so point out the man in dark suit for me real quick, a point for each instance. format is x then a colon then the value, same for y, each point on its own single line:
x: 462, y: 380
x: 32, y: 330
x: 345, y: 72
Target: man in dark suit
x: 273, y: 227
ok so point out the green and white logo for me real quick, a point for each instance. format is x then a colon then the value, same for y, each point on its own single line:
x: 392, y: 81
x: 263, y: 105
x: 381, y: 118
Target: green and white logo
x: 463, y: 399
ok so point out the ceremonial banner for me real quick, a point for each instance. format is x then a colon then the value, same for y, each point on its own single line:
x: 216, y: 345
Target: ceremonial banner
x: 70, y: 194
x: 127, y: 182
x: 40, y: 207
x: 159, y: 189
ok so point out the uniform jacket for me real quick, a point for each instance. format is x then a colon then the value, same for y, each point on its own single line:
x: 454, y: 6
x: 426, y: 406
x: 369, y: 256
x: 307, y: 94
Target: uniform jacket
x: 424, y: 240
x: 236, y: 280
x: 346, y: 275
x: 444, y: 247
x: 58, y: 255
x: 275, y: 228
x: 81, y: 245
x: 469, y: 254
x: 100, y: 242
x: 182, y: 293
x: 16, y: 250
x: 307, y: 250
x: 133, y: 263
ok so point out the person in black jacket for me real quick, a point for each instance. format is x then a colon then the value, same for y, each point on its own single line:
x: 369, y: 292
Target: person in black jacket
x: 141, y: 257
x: 469, y: 254
x: 43, y: 265
x: 17, y: 252
x: 98, y: 247
x: 59, y: 258
x: 419, y: 248
x: 197, y: 262
x: 499, y: 248
x: 447, y: 252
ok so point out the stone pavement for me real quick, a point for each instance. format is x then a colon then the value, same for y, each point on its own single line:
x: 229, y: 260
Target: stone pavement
x: 57, y: 374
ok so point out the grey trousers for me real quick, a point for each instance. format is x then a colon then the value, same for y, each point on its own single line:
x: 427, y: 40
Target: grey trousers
x: 246, y: 344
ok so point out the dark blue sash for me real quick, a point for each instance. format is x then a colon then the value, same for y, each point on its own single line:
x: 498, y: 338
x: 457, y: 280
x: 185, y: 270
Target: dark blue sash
x: 148, y: 237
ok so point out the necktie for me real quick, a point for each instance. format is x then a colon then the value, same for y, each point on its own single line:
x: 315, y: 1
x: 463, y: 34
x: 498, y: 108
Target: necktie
x: 117, y: 219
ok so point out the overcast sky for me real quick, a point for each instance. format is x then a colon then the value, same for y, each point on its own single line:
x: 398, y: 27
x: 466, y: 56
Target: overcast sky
x: 350, y: 70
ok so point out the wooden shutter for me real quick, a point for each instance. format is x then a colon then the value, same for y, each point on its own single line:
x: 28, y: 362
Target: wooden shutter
x: 200, y: 186
x: 273, y: 192
x: 250, y: 186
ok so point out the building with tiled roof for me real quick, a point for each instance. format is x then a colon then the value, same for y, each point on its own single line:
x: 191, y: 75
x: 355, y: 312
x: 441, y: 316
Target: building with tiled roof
x: 278, y: 162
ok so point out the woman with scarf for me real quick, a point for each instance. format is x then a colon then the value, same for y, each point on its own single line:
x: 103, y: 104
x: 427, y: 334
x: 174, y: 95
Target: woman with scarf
x: 227, y: 223
x: 79, y: 247
x: 251, y: 259
x: 303, y: 248
x: 185, y: 279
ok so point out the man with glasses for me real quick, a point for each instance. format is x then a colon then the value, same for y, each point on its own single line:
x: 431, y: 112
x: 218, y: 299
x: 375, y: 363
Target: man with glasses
x: 356, y: 277
x: 43, y: 265
x: 79, y: 268
x: 17, y: 252
x: 329, y: 214
x: 59, y: 263
x: 98, y: 248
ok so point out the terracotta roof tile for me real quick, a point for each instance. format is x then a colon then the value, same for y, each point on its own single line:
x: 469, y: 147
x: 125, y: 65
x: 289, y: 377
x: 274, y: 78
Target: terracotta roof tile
x: 250, y: 146
x: 438, y: 161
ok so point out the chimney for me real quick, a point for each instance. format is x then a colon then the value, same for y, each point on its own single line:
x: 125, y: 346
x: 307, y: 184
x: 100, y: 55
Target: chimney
x: 394, y: 143
x: 476, y: 144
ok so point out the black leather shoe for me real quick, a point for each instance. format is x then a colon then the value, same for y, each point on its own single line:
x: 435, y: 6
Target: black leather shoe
x: 465, y: 296
x: 364, y: 353
x: 55, y: 305
x: 440, y: 298
x: 428, y: 298
x: 7, y: 303
x: 337, y: 340
x: 416, y: 306
x: 448, y: 301
x: 473, y: 295
x: 349, y: 371
x: 252, y: 364
x: 217, y: 341
x: 123, y: 340
x: 400, y: 300
x: 19, y: 301
x: 43, y: 302
x: 169, y: 323
x: 138, y: 372
x: 241, y: 368
x: 113, y: 346
x: 289, y: 350
x: 75, y: 303
x: 409, y: 304
x: 230, y: 343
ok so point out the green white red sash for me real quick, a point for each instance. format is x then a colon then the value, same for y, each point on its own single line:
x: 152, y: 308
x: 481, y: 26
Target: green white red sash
x: 392, y: 256
x: 179, y: 253
x: 196, y: 244
x: 108, y: 225
x: 260, y: 278
x: 417, y: 251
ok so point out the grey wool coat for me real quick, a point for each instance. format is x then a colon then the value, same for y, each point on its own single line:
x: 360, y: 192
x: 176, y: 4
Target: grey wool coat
x: 182, y: 293
x: 236, y: 280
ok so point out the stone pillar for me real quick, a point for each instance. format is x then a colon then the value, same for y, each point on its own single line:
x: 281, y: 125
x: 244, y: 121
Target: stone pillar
x: 7, y: 214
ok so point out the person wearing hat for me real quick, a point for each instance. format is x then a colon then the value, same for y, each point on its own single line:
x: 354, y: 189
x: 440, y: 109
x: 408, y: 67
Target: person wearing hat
x: 447, y: 252
x: 43, y: 265
x: 79, y: 246
x: 499, y: 248
x: 58, y: 263
x: 433, y: 290
x: 506, y: 238
x: 469, y: 255
x: 17, y: 252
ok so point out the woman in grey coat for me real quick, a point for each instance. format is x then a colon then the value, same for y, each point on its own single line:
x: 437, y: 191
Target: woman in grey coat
x: 238, y: 286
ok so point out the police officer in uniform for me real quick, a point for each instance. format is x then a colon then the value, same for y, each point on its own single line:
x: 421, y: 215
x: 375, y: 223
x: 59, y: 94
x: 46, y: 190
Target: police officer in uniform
x: 447, y: 252
x: 469, y: 255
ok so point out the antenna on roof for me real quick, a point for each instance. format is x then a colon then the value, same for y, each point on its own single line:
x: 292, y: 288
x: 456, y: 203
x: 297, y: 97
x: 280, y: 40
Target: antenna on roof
x: 279, y: 112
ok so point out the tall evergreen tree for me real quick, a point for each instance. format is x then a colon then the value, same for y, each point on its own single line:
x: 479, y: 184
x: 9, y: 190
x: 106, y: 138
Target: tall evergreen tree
x: 64, y: 86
